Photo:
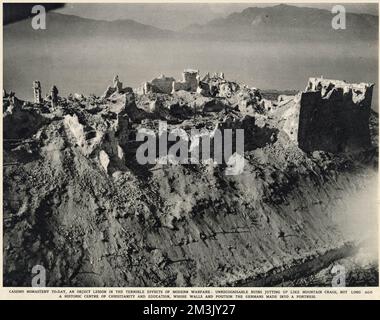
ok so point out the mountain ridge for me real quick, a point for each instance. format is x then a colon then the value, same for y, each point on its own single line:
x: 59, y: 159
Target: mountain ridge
x: 289, y: 21
x: 72, y: 25
x: 276, y: 22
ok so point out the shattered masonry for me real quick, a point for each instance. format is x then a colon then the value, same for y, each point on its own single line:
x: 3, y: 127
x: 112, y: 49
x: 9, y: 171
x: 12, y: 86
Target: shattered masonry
x: 77, y: 202
x: 331, y: 115
x: 37, y: 92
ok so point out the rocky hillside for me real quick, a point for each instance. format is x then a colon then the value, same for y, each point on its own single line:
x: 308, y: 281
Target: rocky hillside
x: 77, y: 202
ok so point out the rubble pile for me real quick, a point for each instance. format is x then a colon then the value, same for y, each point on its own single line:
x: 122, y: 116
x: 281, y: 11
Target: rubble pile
x: 77, y: 202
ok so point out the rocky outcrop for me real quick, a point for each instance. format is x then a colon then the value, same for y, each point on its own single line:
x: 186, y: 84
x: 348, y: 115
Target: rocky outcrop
x: 331, y: 115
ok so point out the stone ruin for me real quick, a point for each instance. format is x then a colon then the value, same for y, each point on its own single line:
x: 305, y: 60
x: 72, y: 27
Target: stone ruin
x: 217, y: 86
x: 168, y: 85
x: 10, y: 101
x: 212, y: 86
x: 54, y: 96
x: 190, y: 79
x: 37, y: 92
x: 331, y: 115
x: 161, y: 84
x: 117, y: 87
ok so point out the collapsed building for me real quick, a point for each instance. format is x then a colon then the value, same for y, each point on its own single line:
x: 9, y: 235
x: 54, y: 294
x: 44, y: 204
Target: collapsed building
x: 168, y: 85
x: 117, y: 87
x: 37, y: 94
x: 190, y: 79
x: 72, y: 172
x: 214, y: 86
x: 331, y: 115
x: 162, y: 84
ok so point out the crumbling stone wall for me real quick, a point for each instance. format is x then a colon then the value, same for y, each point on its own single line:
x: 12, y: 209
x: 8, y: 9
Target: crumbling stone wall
x: 117, y: 84
x: 54, y: 96
x: 217, y: 86
x: 189, y: 82
x: 161, y: 84
x: 117, y: 87
x: 331, y: 116
x: 37, y: 91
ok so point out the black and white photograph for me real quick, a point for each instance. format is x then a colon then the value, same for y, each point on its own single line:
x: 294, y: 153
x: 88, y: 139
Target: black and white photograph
x: 190, y: 145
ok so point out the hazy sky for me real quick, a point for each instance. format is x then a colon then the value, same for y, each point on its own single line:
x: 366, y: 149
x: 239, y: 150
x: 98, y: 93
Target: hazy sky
x: 176, y: 16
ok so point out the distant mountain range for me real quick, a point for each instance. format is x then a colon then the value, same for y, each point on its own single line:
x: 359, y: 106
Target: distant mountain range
x: 288, y: 22
x: 68, y: 26
x: 280, y: 22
